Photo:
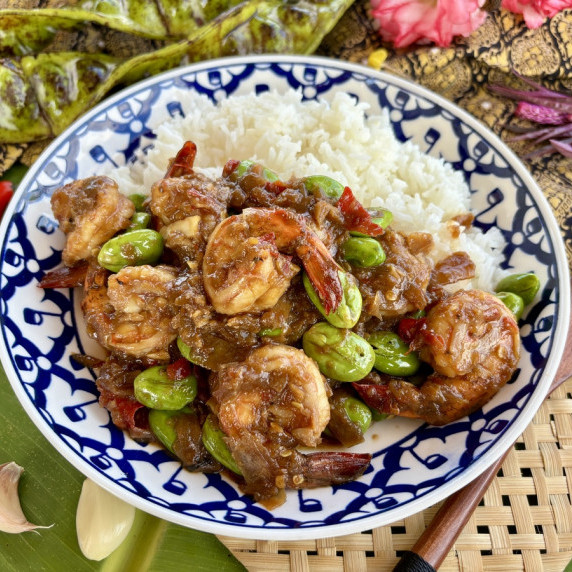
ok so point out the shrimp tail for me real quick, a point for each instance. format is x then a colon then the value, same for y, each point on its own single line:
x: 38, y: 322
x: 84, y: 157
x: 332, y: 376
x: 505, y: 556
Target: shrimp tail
x: 378, y: 396
x: 65, y: 277
x: 183, y: 163
x: 330, y: 468
x: 322, y: 271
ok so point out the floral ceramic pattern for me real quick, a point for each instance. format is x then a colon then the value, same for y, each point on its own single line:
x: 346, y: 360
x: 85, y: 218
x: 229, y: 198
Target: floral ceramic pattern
x: 414, y: 465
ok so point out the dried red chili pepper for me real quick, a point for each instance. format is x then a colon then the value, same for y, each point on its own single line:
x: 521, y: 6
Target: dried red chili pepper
x: 356, y: 216
x: 179, y: 369
x: 183, y: 162
x: 6, y: 193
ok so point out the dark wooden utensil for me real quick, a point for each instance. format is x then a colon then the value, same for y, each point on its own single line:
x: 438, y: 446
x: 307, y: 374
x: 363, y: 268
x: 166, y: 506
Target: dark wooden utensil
x: 435, y: 543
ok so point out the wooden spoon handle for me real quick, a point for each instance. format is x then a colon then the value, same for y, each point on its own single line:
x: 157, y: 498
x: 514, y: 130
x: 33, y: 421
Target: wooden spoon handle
x: 435, y: 543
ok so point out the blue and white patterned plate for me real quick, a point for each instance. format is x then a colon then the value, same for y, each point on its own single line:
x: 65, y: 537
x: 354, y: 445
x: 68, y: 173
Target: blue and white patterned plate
x: 414, y: 465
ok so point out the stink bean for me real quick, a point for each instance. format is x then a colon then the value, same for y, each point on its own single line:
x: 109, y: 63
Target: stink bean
x: 513, y: 302
x: 380, y: 217
x: 525, y: 285
x: 363, y: 251
x: 133, y: 248
x: 246, y: 167
x: 316, y: 184
x: 213, y: 440
x: 138, y: 221
x: 155, y: 389
x: 392, y: 354
x: 347, y: 314
x: 340, y: 353
x: 162, y: 422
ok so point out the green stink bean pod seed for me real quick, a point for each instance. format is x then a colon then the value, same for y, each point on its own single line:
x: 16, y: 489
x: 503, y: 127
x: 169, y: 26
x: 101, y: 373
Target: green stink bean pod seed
x: 315, y: 184
x: 155, y: 389
x: 162, y: 423
x: 525, y: 285
x: 270, y: 332
x: 133, y: 248
x: 245, y: 167
x: 392, y: 354
x: 347, y: 314
x: 138, y: 200
x: 350, y: 417
x: 185, y: 350
x: 138, y: 221
x: 513, y: 302
x: 378, y: 416
x: 363, y: 251
x: 340, y: 353
x: 213, y: 440
x: 358, y: 412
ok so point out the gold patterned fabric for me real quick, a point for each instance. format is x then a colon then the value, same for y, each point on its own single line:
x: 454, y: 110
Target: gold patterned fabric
x: 463, y: 72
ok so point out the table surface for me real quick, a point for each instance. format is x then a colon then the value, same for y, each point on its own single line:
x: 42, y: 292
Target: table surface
x: 525, y: 519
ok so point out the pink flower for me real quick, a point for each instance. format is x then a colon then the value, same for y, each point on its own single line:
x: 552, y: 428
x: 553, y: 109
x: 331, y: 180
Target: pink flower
x: 536, y: 11
x: 405, y: 22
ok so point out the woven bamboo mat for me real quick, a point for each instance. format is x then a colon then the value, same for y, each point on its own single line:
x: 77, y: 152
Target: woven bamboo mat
x: 523, y: 523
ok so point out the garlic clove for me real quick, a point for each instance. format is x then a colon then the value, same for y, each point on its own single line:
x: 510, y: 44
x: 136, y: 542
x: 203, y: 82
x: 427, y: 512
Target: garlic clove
x: 12, y: 519
x: 102, y: 521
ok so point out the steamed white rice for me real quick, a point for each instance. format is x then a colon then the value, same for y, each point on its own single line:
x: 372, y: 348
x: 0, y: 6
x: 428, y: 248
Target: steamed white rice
x: 338, y: 139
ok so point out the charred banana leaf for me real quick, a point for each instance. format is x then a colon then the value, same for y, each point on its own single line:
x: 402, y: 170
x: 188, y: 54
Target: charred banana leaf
x: 295, y: 27
x: 41, y: 95
x: 27, y: 32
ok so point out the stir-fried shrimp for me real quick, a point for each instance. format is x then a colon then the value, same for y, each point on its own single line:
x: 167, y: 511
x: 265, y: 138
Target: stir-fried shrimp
x: 89, y: 211
x: 245, y: 267
x: 130, y: 312
x: 471, y: 339
x: 189, y: 205
x: 252, y: 268
x: 177, y: 198
x: 216, y: 339
x: 277, y: 388
x: 399, y: 285
x: 267, y: 405
x: 188, y: 209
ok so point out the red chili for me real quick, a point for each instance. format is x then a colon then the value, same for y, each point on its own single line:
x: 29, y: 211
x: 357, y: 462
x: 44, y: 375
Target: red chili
x: 183, y: 162
x: 123, y: 409
x: 179, y: 369
x: 275, y: 187
x: 355, y: 216
x: 6, y: 193
x: 230, y: 167
x: 408, y: 328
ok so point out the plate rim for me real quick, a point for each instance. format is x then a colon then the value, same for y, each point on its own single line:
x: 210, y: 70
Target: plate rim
x: 359, y: 524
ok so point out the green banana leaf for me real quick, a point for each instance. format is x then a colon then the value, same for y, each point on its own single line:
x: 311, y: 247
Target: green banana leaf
x: 49, y: 491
